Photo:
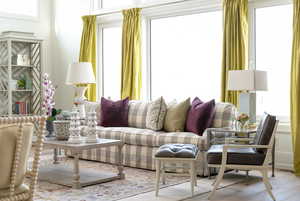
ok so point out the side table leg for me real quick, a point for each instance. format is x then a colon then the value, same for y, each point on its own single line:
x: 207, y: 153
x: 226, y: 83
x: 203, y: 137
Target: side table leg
x: 76, y: 179
x: 55, y: 156
x: 120, y: 161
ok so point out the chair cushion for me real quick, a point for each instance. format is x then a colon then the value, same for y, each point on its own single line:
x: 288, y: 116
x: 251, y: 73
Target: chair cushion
x: 8, y: 140
x: 236, y: 156
x: 182, y: 138
x: 137, y: 113
x: 265, y: 131
x: 177, y: 151
x: 18, y: 190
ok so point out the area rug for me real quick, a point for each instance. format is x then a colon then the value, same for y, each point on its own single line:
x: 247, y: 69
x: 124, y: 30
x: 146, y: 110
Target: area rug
x: 137, y: 181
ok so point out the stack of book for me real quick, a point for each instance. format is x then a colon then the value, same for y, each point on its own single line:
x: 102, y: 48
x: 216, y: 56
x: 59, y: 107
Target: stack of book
x: 22, y: 107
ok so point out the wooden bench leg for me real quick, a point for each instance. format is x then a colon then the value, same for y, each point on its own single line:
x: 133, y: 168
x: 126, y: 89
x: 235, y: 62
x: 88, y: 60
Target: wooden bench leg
x: 192, y: 173
x: 158, y: 162
x: 163, y: 172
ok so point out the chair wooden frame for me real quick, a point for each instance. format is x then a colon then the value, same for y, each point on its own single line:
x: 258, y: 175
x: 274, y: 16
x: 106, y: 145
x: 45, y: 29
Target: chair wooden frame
x: 33, y: 173
x: 262, y: 168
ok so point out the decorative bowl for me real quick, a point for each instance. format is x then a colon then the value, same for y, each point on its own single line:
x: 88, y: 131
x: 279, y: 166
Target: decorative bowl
x: 61, y: 129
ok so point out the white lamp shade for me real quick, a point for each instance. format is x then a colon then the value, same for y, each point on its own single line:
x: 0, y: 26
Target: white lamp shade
x: 250, y: 80
x: 80, y: 73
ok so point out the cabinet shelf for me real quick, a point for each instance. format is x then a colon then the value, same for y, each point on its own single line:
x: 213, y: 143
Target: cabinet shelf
x: 30, y: 99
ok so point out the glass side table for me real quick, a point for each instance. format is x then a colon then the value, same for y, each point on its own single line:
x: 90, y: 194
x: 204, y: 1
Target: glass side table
x: 219, y: 135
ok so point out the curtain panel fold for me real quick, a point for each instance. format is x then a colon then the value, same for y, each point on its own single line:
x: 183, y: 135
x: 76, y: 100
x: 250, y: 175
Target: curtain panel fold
x: 235, y: 44
x: 88, y: 50
x: 295, y: 87
x: 131, y: 78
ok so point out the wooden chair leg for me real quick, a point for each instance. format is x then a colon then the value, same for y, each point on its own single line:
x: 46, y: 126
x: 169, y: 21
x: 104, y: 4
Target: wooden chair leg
x: 267, y: 183
x: 218, y: 181
x: 195, y: 173
x: 158, y: 162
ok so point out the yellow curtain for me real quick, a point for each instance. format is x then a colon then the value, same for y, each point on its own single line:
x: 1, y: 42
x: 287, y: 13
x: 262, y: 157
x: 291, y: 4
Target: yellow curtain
x: 88, y: 50
x: 295, y: 87
x: 235, y: 43
x: 131, y: 78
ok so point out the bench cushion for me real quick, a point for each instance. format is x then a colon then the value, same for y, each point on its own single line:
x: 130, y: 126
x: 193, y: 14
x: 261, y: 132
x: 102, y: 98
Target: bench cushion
x: 182, y: 138
x: 177, y: 151
x: 235, y: 156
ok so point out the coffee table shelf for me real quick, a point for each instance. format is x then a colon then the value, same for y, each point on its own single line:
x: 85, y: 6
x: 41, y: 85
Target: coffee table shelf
x: 59, y: 174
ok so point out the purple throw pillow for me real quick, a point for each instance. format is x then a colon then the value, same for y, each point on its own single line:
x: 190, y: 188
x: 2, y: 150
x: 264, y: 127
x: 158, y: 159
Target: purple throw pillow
x: 114, y: 113
x: 200, y: 116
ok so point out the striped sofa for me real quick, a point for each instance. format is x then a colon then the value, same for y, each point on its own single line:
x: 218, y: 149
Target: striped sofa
x: 142, y: 143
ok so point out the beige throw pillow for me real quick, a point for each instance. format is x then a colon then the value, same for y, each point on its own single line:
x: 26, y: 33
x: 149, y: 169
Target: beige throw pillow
x: 156, y: 114
x: 176, y: 116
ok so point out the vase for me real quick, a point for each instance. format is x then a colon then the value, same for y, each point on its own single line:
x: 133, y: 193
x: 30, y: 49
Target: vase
x: 242, y: 125
x: 49, y: 128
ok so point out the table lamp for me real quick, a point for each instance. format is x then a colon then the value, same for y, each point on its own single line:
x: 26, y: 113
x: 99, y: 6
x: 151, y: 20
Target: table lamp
x: 247, y: 81
x: 78, y: 74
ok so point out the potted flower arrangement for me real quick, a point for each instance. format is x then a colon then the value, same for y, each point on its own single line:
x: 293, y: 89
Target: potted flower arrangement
x: 242, y: 120
x: 48, y: 103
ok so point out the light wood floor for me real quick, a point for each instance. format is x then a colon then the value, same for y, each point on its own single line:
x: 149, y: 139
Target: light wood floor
x: 286, y: 187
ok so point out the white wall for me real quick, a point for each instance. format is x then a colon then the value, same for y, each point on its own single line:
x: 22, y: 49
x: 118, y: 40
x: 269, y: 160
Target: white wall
x: 41, y: 27
x: 67, y: 28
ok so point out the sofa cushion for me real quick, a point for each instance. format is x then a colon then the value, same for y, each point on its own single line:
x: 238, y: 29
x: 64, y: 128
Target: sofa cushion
x: 182, y: 138
x: 137, y: 114
x: 200, y: 116
x: 237, y: 156
x: 110, y: 132
x: 136, y: 136
x: 156, y: 114
x: 176, y: 116
x: 177, y: 151
x: 114, y: 113
x: 224, y: 114
x: 93, y: 107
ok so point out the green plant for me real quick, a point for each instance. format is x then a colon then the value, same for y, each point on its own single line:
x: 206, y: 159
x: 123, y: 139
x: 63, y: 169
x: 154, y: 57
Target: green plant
x: 54, y: 113
x: 21, y: 83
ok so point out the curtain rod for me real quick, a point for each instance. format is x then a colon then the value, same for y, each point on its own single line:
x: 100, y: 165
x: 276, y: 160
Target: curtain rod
x: 149, y: 6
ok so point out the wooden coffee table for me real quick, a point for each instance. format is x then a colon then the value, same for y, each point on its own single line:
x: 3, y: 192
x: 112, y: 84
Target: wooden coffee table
x: 59, y: 174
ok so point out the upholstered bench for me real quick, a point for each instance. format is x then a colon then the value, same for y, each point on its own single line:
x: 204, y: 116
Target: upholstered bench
x: 176, y: 153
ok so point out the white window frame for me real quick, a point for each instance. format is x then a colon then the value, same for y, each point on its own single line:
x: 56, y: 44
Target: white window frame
x: 253, y: 5
x: 23, y: 17
x: 102, y: 23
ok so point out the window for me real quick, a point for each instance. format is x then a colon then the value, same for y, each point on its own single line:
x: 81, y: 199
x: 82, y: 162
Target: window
x: 273, y: 54
x: 186, y: 56
x: 20, y: 7
x: 112, y: 42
